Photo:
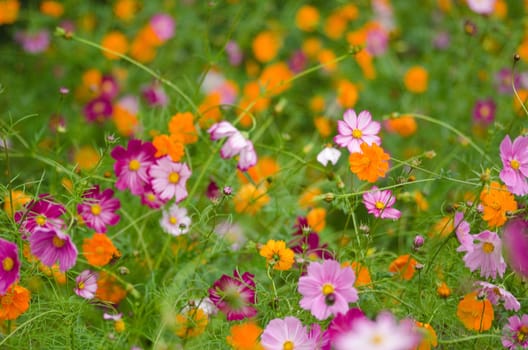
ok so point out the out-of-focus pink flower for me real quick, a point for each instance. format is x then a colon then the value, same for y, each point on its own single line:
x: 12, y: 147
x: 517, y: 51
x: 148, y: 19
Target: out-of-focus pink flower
x: 163, y: 25
x: 483, y: 7
x: 33, y: 42
x: 516, y: 245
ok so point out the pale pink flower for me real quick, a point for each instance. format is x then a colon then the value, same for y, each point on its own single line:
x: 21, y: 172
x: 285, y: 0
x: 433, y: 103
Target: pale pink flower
x: 287, y: 333
x: 169, y: 179
x: 379, y: 203
x: 236, y: 144
x: 328, y: 154
x: 496, y: 294
x: 483, y: 7
x: 356, y: 129
x: 462, y: 232
x: 163, y: 25
x: 175, y: 220
x: 514, y: 158
x: 327, y: 288
x: 486, y: 255
x: 86, y: 284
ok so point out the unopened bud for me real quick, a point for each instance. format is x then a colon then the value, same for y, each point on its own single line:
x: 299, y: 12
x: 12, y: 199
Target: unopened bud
x: 516, y: 57
x: 328, y: 197
x: 418, y: 241
x: 430, y: 154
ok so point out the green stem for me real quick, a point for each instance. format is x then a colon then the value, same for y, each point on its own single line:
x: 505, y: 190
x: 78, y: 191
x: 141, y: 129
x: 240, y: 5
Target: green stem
x: 468, y: 338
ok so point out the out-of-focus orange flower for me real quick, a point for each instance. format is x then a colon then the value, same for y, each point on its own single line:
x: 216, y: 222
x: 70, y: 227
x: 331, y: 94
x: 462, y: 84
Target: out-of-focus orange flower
x: 311, y: 47
x: 335, y: 26
x: 497, y: 201
x: 250, y: 199
x: 327, y: 58
x: 125, y: 10
x: 416, y: 79
x: 275, y: 78
x: 115, y: 41
x: 86, y: 158
x: 347, y: 94
x: 99, y: 250
x: 52, y: 8
x: 364, y: 59
x: 476, y: 314
x: 278, y: 255
x: 9, y: 11
x: 307, y: 18
x: 442, y: 227
x: 445, y: 5
x: 109, y: 289
x: 443, y: 290
x: 371, y: 164
x: 350, y: 12
x: 362, y: 274
x: 14, y: 303
x: 182, y: 126
x: 404, y: 266
x: 16, y: 201
x: 210, y: 110
x: 501, y: 9
x: 323, y: 126
x: 265, y: 46
x: 429, y: 337
x: 245, y: 336
x: 523, y: 95
x: 404, y: 125
x: 317, y: 219
x: 421, y: 201
x: 126, y: 123
x: 169, y: 145
x: 141, y: 51
x: 265, y: 168
x: 317, y: 104
x: 191, y: 323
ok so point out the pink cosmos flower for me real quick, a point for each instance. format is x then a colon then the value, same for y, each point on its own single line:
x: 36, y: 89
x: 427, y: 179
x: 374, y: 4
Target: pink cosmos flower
x: 462, y: 232
x: 377, y: 41
x: 236, y: 144
x: 484, y: 111
x: 109, y: 87
x: 483, y: 7
x: 328, y: 154
x: 175, y: 221
x: 327, y: 289
x: 486, y: 255
x: 235, y: 296
x: 516, y: 244
x: 52, y: 245
x: 163, y: 25
x: 151, y: 199
x: 98, y: 109
x: 43, y: 213
x: 98, y: 209
x: 379, y: 203
x: 10, y: 265
x: 514, y: 158
x: 234, y: 53
x: 496, y: 294
x: 386, y: 333
x: 33, y: 42
x: 155, y: 95
x: 287, y: 333
x: 132, y: 164
x: 342, y: 324
x: 86, y: 284
x: 169, y: 179
x: 515, y: 333
x: 355, y: 129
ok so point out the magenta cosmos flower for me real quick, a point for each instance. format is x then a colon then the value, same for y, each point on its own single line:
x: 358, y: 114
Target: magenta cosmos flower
x: 514, y: 158
x: 98, y: 110
x: 486, y: 255
x: 496, y: 295
x: 175, y: 220
x: 386, y: 333
x: 342, y: 324
x: 288, y: 333
x: 10, y: 265
x: 132, y: 164
x: 379, y: 203
x: 327, y: 288
x: 516, y: 244
x: 236, y: 144
x: 52, y: 245
x: 86, y: 284
x: 356, y: 129
x: 515, y: 333
x: 484, y: 111
x: 168, y: 179
x: 98, y: 209
x: 235, y: 296
x: 43, y: 213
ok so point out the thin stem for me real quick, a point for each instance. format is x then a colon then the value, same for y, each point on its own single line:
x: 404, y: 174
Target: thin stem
x: 468, y: 338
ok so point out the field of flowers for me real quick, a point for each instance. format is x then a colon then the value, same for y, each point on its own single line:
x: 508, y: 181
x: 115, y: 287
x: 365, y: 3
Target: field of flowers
x: 267, y: 175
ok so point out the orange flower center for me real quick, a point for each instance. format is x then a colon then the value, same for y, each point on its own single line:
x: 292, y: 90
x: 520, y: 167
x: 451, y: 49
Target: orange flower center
x: 40, y: 220
x: 98, y: 107
x: 174, y: 177
x: 515, y: 164
x: 328, y: 289
x: 379, y: 205
x: 488, y: 247
x: 58, y: 242
x: 173, y: 220
x: 288, y: 345
x: 95, y: 209
x: 485, y: 111
x: 356, y: 133
x: 522, y: 334
x: 99, y: 250
x: 134, y: 165
x: 7, y: 264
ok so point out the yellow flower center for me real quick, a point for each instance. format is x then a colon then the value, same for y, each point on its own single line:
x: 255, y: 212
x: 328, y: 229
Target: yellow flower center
x: 376, y: 339
x: 328, y: 289
x: 57, y: 242
x: 174, y: 177
x: 81, y: 285
x: 356, y: 133
x: 173, y: 220
x: 515, y: 164
x: 95, y: 209
x: 7, y: 264
x: 488, y: 247
x: 288, y: 345
x: 379, y: 205
x: 40, y: 220
x: 522, y: 334
x: 151, y: 197
x: 134, y: 165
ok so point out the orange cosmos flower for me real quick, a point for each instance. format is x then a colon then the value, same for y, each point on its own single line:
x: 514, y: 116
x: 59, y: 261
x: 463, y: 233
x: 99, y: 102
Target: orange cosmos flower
x: 317, y: 219
x: 415, y: 79
x: 125, y: 9
x: 125, y: 122
x: 250, y: 199
x: 307, y: 18
x: 278, y: 255
x: 19, y: 200
x: 245, y: 336
x: 429, y: 338
x: 348, y: 94
x: 265, y: 46
x: 307, y: 198
x: 8, y: 11
x: 362, y: 273
x: 169, y: 145
x: 108, y: 289
x: 191, y: 323
x: 274, y: 79
x: 497, y: 202
x: 264, y: 170
x: 335, y: 26
x: 443, y: 290
x: 323, y: 126
x: 182, y: 124
x: 99, y: 250
x: 115, y: 41
x: 404, y: 125
x: 14, y: 303
x: 52, y: 8
x: 474, y: 313
x: 86, y: 158
x: 404, y: 265
x: 371, y: 164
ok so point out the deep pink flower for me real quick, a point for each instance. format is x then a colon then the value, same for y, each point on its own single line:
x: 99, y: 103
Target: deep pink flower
x: 516, y: 244
x: 163, y: 25
x: 10, y: 265
x: 306, y: 243
x: 52, y: 245
x: 327, y: 288
x: 42, y: 213
x: 98, y: 209
x: 169, y: 178
x: 155, y: 95
x: 515, y: 333
x: 175, y: 220
x: 109, y: 87
x: 235, y: 296
x: 98, y: 110
x: 287, y: 333
x: 86, y: 284
x: 297, y: 61
x: 341, y: 324
x: 496, y: 294
x: 379, y: 203
x: 132, y: 164
x: 514, y: 158
x: 484, y: 111
x: 486, y: 255
x: 356, y: 129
